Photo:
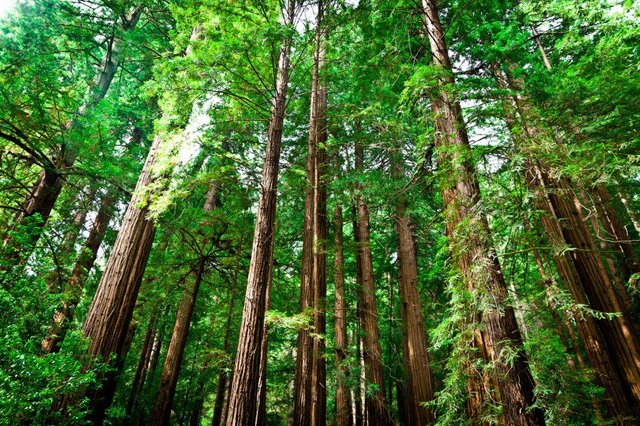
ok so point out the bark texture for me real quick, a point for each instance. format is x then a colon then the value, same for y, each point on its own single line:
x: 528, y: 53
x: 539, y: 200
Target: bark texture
x: 113, y: 304
x: 611, y: 345
x: 343, y: 403
x: 418, y: 387
x: 375, y: 407
x: 469, y: 240
x: 171, y: 369
x: 242, y: 408
x: 320, y: 182
x: 309, y: 387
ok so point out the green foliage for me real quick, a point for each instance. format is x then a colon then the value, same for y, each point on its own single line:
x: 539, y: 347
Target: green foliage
x: 210, y: 109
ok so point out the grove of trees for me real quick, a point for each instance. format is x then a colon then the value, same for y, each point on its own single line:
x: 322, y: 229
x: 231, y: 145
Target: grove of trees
x: 311, y: 212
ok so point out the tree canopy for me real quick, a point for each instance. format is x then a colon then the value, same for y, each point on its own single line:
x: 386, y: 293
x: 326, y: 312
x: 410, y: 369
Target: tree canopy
x: 349, y: 212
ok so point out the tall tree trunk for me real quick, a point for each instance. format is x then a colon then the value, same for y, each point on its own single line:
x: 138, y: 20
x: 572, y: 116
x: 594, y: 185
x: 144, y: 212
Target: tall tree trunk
x: 418, y: 383
x: 604, y: 289
x: 261, y: 411
x: 343, y: 405
x: 320, y: 183
x: 244, y: 388
x: 114, y: 301
x: 171, y: 369
x: 304, y: 348
x: 309, y: 380
x: 223, y: 376
x: 469, y: 240
x: 358, y: 396
x: 84, y: 262
x: 601, y: 295
x: 44, y: 194
x: 375, y: 408
x: 113, y: 304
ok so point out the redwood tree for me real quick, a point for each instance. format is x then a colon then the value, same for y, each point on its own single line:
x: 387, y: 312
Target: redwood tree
x: 469, y: 238
x: 244, y: 388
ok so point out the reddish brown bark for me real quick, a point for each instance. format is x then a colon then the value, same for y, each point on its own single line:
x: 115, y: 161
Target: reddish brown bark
x: 171, y: 369
x: 244, y: 389
x: 418, y: 384
x: 309, y: 397
x: 114, y: 301
x: 343, y: 404
x: 599, y: 343
x: 610, y: 345
x: 375, y: 407
x: 113, y: 304
x: 320, y: 176
x: 469, y: 240
x: 304, y: 348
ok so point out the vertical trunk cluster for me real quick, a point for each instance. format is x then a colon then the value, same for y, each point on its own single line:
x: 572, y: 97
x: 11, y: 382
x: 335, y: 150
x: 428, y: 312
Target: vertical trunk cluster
x: 469, y: 241
x: 418, y: 387
x: 611, y: 345
x: 244, y: 389
x: 112, y: 308
x: 375, y: 409
x: 44, y: 194
x: 304, y: 347
x: 310, y: 381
